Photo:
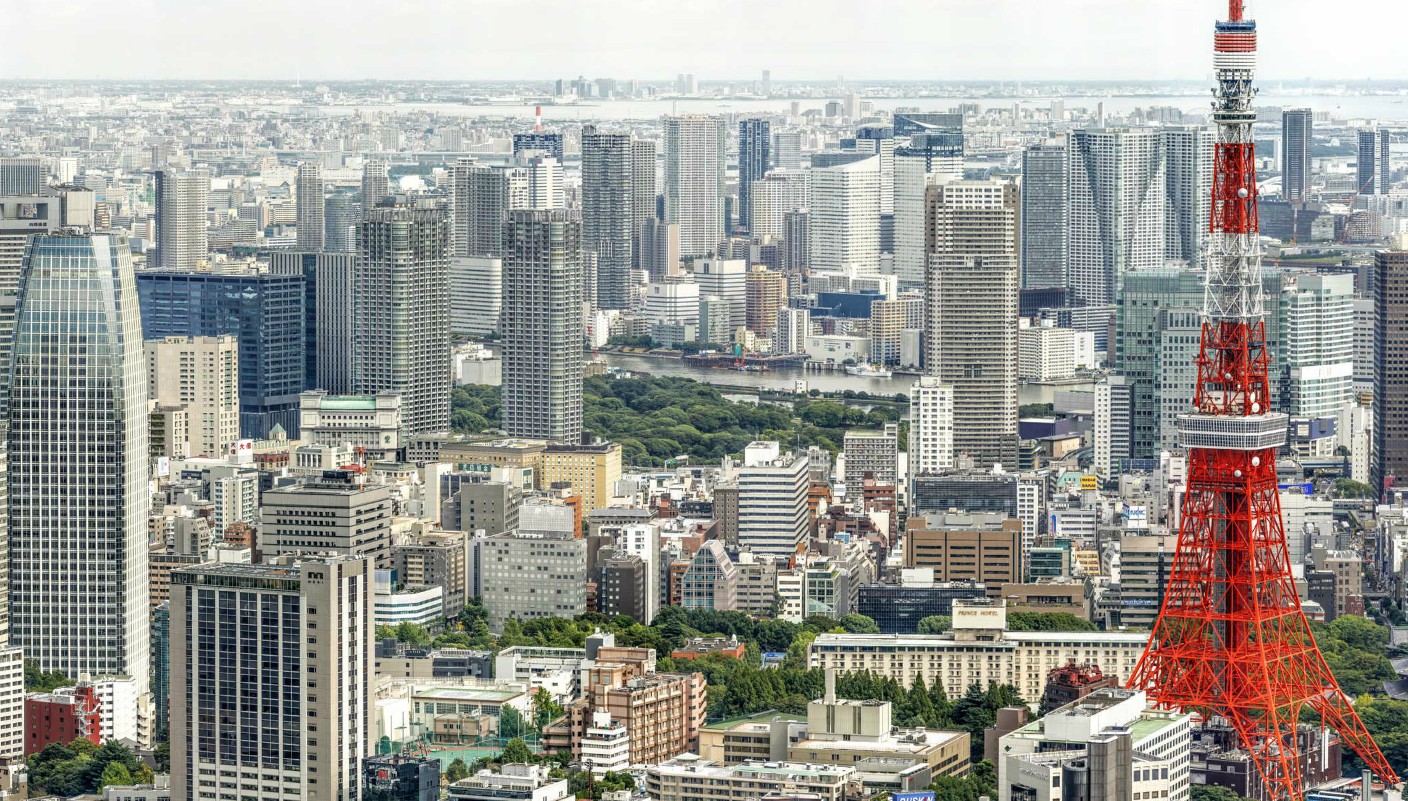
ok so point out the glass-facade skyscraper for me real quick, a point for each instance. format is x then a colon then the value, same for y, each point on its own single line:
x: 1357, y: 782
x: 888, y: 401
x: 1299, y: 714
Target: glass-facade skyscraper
x: 754, y: 144
x: 264, y: 311
x: 78, y: 468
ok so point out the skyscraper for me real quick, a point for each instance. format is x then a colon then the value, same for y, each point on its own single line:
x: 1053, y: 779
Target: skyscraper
x: 309, y: 191
x: 754, y: 155
x: 694, y: 180
x: 1187, y: 153
x: 1390, y: 371
x: 930, y: 426
x: 1317, y: 347
x: 264, y: 311
x: 1045, y: 214
x: 375, y: 183
x: 544, y: 176
x: 1113, y: 425
x: 327, y: 321
x: 608, y: 213
x: 644, y: 192
x: 341, y: 211
x: 1375, y: 164
x: 1297, y: 130
x: 1117, y: 209
x: 549, y: 143
x: 542, y: 325
x: 401, y: 302
x: 970, y: 330
x: 78, y: 433
x: 181, y: 201
x: 771, y: 198
x: 271, y: 678
x: 929, y: 158
x: 844, y: 221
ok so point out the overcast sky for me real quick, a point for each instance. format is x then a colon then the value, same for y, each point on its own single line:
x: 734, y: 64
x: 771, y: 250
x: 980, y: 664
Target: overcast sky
x: 716, y: 39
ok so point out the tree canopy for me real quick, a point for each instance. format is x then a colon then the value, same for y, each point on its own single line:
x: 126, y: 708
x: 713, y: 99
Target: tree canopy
x: 82, y: 767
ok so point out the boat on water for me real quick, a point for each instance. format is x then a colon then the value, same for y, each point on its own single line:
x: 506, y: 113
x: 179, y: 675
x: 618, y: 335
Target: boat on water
x: 868, y: 371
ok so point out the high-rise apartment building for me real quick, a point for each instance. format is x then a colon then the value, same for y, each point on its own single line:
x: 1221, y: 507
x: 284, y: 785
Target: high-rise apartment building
x: 930, y: 426
x: 480, y: 195
x: 202, y: 374
x: 401, y: 302
x: 1118, y: 189
x: 694, y: 180
x: 327, y: 305
x: 793, y: 328
x: 772, y: 500
x: 271, y: 680
x: 1297, y: 133
x: 1374, y: 168
x: 1045, y: 214
x: 658, y: 249
x: 1390, y: 370
x: 970, y: 331
x: 544, y: 181
x: 844, y: 213
x: 754, y: 157
x: 787, y: 150
x: 308, y: 190
x: 608, y: 213
x: 263, y: 311
x: 376, y: 185
x: 1113, y: 425
x: 181, y: 202
x: 1187, y: 154
x: 645, y: 190
x: 765, y: 293
x: 78, y: 462
x: 542, y: 326
x: 770, y: 199
x: 341, y: 213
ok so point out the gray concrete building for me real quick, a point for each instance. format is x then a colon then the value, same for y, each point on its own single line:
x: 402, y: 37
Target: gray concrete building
x: 532, y: 575
x: 327, y: 515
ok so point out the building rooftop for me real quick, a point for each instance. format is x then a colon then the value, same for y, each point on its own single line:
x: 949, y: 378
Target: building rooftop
x: 761, y: 719
x: 481, y: 694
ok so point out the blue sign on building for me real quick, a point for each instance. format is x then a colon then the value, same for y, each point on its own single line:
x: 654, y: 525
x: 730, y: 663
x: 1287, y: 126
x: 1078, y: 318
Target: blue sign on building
x: 924, y: 796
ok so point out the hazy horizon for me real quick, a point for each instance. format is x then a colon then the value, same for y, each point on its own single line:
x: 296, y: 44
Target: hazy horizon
x: 497, y: 41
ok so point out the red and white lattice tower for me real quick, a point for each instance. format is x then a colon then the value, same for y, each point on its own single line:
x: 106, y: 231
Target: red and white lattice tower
x: 1231, y: 641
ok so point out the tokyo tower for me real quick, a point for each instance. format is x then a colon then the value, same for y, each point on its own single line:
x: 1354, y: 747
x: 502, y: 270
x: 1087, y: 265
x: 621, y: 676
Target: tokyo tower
x: 1231, y: 641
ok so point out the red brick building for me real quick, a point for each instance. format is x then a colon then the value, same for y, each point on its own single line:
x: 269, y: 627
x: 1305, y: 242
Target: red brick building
x: 62, y: 716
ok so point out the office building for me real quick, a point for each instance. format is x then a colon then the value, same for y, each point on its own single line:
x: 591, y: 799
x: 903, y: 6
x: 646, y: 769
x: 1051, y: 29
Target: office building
x: 401, y: 303
x: 527, y: 575
x: 328, y: 515
x: 1297, y: 135
x: 308, y: 193
x: 78, y: 570
x: 970, y: 333
x: 770, y: 199
x: 930, y: 426
x: 1045, y: 214
x: 929, y: 158
x: 897, y: 608
x: 181, y: 202
x: 342, y: 211
x: 727, y: 280
x: 1144, y: 568
x: 542, y: 326
x: 1317, y: 347
x: 1118, y: 210
x: 589, y: 470
x: 754, y: 157
x: 710, y: 581
x: 328, y: 314
x: 979, y: 648
x: 1390, y: 372
x: 22, y: 175
x: 772, y: 500
x: 622, y: 586
x: 263, y: 311
x: 369, y: 422
x: 1188, y: 155
x: 549, y: 143
x: 1049, y: 353
x: 608, y: 213
x: 476, y: 294
x: 514, y: 782
x: 1114, y: 425
x: 689, y: 778
x: 794, y: 326
x: 376, y: 184
x: 672, y: 311
x: 290, y: 722
x: 982, y: 547
x: 1110, y: 745
x: 1374, y: 169
x: 764, y: 295
x: 694, y: 180
x: 843, y: 223
x: 202, y: 374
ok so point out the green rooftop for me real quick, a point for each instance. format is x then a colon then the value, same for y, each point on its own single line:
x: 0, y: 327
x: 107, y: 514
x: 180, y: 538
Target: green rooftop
x: 760, y: 717
x: 349, y: 403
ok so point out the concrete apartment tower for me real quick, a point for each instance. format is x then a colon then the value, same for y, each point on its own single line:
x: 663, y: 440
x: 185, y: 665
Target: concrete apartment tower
x: 309, y: 191
x: 694, y: 180
x: 543, y: 326
x: 181, y: 201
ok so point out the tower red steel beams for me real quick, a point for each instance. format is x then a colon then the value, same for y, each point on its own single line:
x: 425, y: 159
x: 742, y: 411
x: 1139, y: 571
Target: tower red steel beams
x: 1231, y: 640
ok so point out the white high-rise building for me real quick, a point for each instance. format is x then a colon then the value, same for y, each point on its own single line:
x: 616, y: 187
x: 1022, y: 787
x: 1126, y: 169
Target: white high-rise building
x: 476, y: 294
x: 844, y: 221
x: 181, y: 200
x: 309, y: 191
x: 1049, y: 353
x: 970, y: 330
x: 78, y: 462
x: 544, y: 182
x: 772, y: 500
x: 915, y: 171
x: 726, y: 279
x: 672, y: 310
x: 930, y: 426
x: 1188, y: 154
x: 1118, y: 193
x: 203, y: 374
x: 1114, y: 424
x: 793, y: 328
x: 1317, y: 345
x: 271, y: 679
x: 773, y: 197
x: 694, y: 180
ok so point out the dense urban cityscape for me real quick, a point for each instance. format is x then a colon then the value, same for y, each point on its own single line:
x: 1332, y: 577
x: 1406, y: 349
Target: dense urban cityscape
x: 706, y: 439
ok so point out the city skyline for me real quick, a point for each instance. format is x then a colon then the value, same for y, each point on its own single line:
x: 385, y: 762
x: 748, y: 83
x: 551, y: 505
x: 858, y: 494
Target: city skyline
x: 991, y: 40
